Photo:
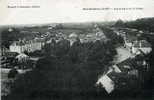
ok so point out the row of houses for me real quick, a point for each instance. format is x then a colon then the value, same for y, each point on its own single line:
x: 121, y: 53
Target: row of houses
x: 124, y: 75
x: 127, y: 74
x: 133, y: 42
x: 135, y: 45
x: 141, y: 46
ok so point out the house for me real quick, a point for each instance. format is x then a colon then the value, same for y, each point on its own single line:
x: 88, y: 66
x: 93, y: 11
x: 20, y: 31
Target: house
x: 113, y: 81
x: 106, y: 82
x: 142, y: 45
x: 128, y: 41
x: 22, y: 57
x: 121, y: 80
x: 72, y: 38
x: 124, y: 75
x: 126, y: 65
x: 118, y: 81
x: 29, y: 46
x: 129, y: 66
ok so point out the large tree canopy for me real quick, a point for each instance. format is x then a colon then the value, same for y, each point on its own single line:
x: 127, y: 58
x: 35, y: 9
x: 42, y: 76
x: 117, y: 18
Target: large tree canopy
x: 67, y: 72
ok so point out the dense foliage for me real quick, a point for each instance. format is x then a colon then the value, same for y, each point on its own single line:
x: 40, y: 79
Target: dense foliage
x: 65, y: 72
x: 110, y: 34
x: 146, y: 24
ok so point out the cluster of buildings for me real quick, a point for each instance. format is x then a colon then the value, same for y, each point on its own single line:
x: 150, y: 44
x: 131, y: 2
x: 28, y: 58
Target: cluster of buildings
x: 15, y: 56
x: 128, y: 73
x: 98, y: 34
x: 84, y: 38
x: 132, y: 41
x: 38, y: 40
x: 31, y: 41
x: 92, y: 37
x: 141, y: 46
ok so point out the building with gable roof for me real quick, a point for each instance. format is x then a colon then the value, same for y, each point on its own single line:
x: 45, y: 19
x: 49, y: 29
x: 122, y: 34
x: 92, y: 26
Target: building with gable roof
x: 142, y: 45
x: 106, y: 82
x: 29, y: 46
x: 123, y: 75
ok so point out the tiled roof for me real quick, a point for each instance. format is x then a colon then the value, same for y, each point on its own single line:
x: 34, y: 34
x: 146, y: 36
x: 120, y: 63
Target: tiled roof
x: 117, y: 77
x: 127, y: 65
x: 11, y: 54
x: 24, y: 42
x: 107, y: 83
x: 131, y: 38
x: 121, y: 80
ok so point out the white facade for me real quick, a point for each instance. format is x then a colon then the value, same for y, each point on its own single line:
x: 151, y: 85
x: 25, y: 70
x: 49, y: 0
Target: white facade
x: 107, y: 83
x: 146, y: 50
x: 15, y: 48
x: 143, y: 46
x: 22, y: 57
x: 29, y: 47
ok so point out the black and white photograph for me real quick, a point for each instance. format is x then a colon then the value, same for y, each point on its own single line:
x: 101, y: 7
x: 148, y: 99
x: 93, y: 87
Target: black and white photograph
x: 77, y: 50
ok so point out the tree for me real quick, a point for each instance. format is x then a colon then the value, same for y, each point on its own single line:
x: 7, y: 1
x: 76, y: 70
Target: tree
x: 12, y: 73
x: 119, y: 23
x: 71, y: 72
x: 9, y: 36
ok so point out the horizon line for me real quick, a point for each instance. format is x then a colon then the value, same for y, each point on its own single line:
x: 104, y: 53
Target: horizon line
x: 45, y: 23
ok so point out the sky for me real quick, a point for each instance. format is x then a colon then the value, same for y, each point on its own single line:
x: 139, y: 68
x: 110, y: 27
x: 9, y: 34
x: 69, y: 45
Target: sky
x: 60, y: 11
